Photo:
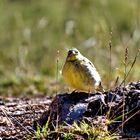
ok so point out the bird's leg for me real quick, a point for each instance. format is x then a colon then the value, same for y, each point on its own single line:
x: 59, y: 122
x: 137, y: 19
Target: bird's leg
x: 74, y: 91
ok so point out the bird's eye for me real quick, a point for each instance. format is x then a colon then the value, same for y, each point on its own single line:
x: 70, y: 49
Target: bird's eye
x: 76, y: 52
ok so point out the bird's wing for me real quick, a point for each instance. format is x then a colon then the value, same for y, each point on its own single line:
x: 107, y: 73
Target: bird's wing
x: 90, y: 69
x: 87, y: 63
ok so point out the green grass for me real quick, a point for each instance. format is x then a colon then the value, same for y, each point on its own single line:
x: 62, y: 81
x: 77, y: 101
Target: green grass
x: 32, y: 31
x: 74, y: 131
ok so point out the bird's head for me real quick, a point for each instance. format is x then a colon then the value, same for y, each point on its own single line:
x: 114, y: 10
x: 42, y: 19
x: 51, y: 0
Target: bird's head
x: 73, y: 54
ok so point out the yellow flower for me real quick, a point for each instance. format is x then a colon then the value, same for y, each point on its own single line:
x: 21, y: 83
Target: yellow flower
x: 79, y: 73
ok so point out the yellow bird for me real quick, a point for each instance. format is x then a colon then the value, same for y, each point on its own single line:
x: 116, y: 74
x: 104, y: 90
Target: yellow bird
x: 79, y: 73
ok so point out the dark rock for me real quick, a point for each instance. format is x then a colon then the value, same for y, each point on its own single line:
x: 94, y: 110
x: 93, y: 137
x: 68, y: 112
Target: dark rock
x: 73, y: 107
x: 68, y: 108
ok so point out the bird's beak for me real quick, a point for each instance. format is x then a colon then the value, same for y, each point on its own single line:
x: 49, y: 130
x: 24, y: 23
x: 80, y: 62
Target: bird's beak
x: 70, y: 53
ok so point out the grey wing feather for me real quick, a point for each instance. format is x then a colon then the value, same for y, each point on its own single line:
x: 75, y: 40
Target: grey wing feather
x: 91, y: 70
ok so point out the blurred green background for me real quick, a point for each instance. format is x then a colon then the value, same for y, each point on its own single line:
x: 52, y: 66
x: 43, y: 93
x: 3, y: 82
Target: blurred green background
x: 35, y: 35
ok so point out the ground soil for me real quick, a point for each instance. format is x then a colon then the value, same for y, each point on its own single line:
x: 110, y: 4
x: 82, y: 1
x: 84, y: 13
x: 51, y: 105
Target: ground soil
x: 17, y: 116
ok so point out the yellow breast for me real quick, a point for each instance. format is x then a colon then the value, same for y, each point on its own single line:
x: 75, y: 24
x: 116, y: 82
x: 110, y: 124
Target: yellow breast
x: 76, y: 77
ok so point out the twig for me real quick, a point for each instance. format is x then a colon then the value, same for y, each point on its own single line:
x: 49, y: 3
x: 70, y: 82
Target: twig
x: 129, y: 118
x: 110, y: 61
x: 15, y: 120
x: 6, y: 116
x: 125, y: 64
x: 132, y: 65
x: 116, y: 81
x: 57, y: 66
x: 57, y: 72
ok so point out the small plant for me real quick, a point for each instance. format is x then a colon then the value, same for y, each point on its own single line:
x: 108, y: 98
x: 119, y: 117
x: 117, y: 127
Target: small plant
x: 82, y: 130
x: 68, y: 136
x: 89, y: 131
x: 42, y: 131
